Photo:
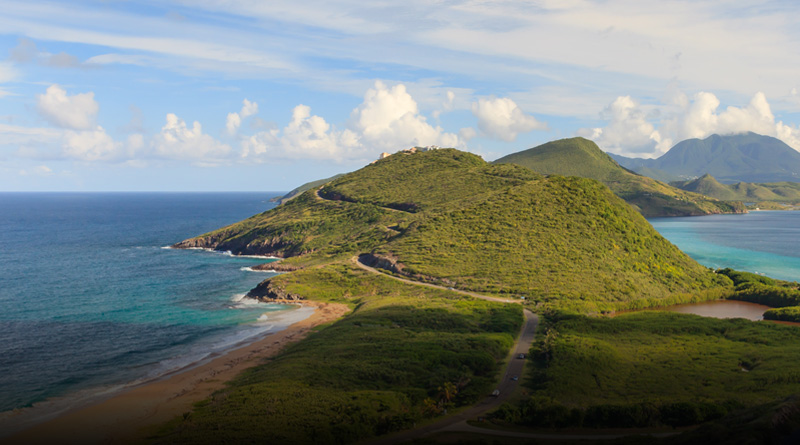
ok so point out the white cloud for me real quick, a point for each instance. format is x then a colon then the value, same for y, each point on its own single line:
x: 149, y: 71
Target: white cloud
x: 248, y: 108
x: 177, y: 141
x: 92, y: 145
x: 628, y: 131
x: 234, y: 120
x: 387, y: 120
x: 501, y: 118
x: 77, y: 112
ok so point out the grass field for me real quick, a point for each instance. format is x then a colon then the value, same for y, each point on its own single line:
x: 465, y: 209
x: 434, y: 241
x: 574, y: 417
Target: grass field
x: 403, y: 355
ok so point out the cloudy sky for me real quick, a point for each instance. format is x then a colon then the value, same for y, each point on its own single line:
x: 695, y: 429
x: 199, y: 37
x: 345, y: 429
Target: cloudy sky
x: 265, y: 95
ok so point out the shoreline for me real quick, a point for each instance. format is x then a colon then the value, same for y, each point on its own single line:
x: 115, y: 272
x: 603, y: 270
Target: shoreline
x: 134, y: 414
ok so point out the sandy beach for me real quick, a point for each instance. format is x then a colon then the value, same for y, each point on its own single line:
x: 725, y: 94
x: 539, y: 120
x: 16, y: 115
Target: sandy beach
x: 133, y: 415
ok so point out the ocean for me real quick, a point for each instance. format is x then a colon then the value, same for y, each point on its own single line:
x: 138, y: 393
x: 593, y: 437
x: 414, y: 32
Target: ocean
x: 92, y: 302
x: 763, y: 242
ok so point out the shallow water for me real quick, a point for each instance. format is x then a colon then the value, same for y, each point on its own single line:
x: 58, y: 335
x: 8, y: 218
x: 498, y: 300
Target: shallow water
x: 763, y: 242
x: 91, y: 300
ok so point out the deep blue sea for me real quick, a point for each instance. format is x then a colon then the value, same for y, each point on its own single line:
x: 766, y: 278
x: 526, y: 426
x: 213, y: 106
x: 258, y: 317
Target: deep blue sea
x: 764, y: 242
x: 91, y: 301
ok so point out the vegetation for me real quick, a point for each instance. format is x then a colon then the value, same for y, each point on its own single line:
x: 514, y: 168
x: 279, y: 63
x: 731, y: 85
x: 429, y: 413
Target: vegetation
x: 405, y: 354
x: 447, y: 216
x: 305, y: 187
x: 763, y: 290
x: 581, y: 157
x: 789, y: 313
x: 743, y: 191
x: 539, y: 227
x: 654, y: 368
x: 747, y: 157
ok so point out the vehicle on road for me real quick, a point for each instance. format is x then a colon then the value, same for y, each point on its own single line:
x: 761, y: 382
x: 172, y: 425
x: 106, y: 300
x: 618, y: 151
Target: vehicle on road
x: 496, y: 393
x: 521, y: 356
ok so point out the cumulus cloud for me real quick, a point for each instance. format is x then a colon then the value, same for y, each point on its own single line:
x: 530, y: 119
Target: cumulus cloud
x: 501, y: 118
x: 178, y: 141
x: 628, y: 130
x: 76, y: 112
x: 388, y: 119
x: 700, y: 118
x: 91, y: 145
x: 234, y: 120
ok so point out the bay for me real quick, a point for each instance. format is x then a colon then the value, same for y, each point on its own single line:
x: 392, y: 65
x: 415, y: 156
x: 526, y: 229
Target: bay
x: 763, y: 242
x: 92, y: 302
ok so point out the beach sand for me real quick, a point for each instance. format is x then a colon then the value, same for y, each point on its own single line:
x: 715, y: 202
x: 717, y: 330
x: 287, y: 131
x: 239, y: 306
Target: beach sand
x: 135, y: 414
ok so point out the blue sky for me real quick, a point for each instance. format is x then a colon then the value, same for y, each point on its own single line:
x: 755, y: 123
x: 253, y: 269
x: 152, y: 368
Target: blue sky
x: 265, y: 95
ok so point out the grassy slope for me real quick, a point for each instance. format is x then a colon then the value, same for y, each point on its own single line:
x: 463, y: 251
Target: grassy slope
x: 297, y: 191
x: 539, y: 239
x: 743, y: 191
x: 582, y: 157
x: 381, y: 368
x: 479, y: 224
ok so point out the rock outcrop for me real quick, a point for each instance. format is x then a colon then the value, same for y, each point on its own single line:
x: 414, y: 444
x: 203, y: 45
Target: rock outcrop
x: 266, y: 291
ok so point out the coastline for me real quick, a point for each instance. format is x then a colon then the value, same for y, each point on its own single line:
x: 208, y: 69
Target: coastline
x: 133, y: 415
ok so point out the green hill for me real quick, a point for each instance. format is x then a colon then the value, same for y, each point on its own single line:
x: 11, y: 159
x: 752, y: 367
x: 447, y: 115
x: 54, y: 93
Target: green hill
x: 582, y: 157
x: 294, y: 193
x: 447, y: 216
x: 747, y: 157
x: 408, y: 353
x: 743, y: 191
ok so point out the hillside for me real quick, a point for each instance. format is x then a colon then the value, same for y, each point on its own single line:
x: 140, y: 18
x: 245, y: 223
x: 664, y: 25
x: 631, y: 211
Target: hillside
x: 742, y: 191
x: 407, y: 353
x: 294, y: 193
x: 582, y: 157
x: 448, y: 216
x: 747, y: 157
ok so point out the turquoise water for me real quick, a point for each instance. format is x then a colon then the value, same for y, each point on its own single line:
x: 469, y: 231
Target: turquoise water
x: 91, y: 301
x: 764, y: 242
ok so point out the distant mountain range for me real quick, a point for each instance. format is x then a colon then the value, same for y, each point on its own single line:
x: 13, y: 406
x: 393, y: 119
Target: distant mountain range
x: 582, y: 157
x: 730, y: 159
x: 742, y: 191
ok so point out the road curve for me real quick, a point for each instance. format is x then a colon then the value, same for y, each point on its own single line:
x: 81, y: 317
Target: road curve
x: 435, y: 286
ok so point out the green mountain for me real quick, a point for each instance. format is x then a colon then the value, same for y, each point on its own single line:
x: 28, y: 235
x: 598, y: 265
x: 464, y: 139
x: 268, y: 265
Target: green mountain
x: 449, y: 217
x: 742, y: 191
x: 747, y: 157
x: 299, y: 190
x: 582, y: 157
